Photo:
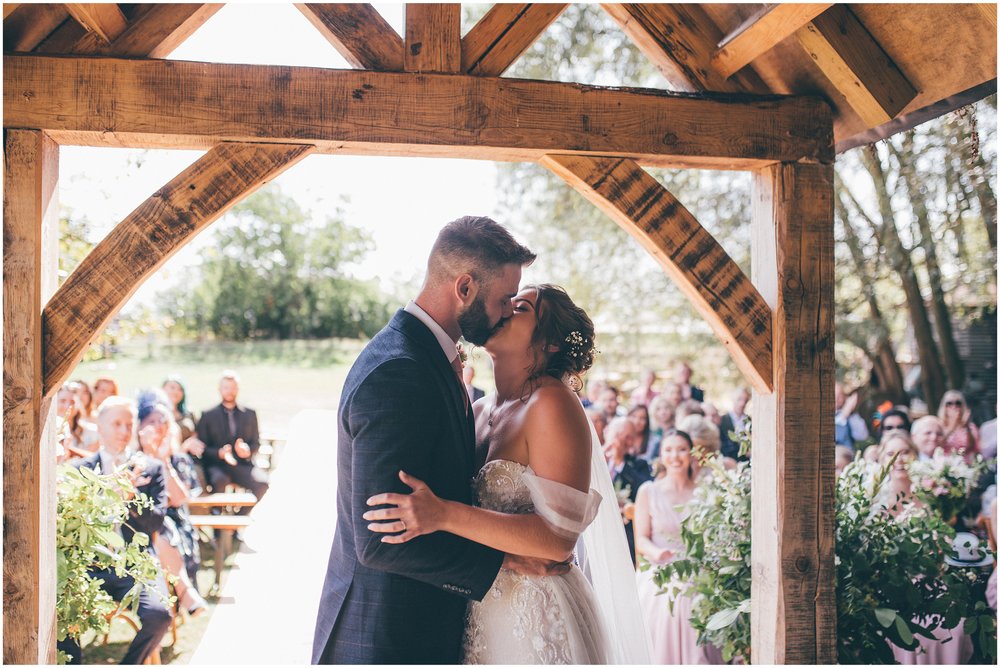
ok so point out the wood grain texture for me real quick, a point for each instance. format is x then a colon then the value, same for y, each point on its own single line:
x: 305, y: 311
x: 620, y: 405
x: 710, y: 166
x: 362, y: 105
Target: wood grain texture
x: 693, y: 259
x: 119, y: 102
x: 359, y: 33
x: 503, y: 34
x: 433, y: 39
x: 29, y: 24
x: 155, y: 31
x: 774, y: 24
x: 856, y: 65
x: 103, y: 18
x: 30, y: 226
x: 988, y: 10
x: 147, y: 238
x: 680, y: 39
x: 793, y: 614
x: 9, y: 7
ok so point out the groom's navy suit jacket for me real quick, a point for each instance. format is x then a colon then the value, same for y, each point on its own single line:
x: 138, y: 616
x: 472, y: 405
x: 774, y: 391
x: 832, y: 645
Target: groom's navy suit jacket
x: 401, y: 409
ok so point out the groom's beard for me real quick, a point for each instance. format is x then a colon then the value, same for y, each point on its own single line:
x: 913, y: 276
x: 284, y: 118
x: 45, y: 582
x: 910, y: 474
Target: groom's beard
x: 475, y: 324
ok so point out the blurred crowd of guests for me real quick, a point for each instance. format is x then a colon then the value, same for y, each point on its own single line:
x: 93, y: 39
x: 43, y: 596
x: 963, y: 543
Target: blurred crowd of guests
x: 171, y: 456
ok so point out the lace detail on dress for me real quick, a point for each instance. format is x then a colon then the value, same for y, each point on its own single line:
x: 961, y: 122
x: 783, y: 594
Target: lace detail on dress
x: 521, y: 618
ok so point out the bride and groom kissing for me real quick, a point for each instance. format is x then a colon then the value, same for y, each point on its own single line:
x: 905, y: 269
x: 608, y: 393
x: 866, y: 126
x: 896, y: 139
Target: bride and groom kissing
x: 484, y: 533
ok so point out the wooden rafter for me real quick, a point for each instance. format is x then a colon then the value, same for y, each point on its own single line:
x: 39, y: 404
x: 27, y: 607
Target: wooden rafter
x: 28, y: 24
x: 503, y: 34
x: 359, y: 33
x: 714, y: 284
x: 988, y: 10
x: 760, y: 33
x: 155, y: 31
x: 105, y: 19
x: 177, y: 104
x: 793, y: 613
x: 9, y: 7
x: 680, y: 40
x: 30, y: 257
x: 856, y: 65
x: 147, y: 238
x: 433, y: 39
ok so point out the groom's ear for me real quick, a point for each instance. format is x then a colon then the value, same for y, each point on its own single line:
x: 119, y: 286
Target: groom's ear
x: 466, y: 288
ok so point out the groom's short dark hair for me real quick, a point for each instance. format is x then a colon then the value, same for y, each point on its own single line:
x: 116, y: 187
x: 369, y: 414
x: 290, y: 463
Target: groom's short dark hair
x: 477, y: 245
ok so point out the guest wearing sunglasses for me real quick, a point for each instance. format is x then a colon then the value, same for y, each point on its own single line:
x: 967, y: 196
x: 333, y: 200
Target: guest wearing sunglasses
x: 960, y: 434
x: 893, y: 420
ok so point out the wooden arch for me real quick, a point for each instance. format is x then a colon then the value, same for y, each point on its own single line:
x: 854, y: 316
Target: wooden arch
x: 430, y: 92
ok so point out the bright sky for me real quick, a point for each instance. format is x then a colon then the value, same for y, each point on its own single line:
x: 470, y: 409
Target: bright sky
x: 401, y: 201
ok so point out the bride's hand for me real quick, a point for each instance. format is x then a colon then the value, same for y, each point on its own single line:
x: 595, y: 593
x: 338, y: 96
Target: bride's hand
x: 412, y: 515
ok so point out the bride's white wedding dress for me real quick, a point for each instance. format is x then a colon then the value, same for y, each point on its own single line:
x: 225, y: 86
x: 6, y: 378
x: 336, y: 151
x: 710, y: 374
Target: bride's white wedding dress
x: 535, y: 620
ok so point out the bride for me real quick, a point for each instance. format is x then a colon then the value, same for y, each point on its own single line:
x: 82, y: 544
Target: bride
x: 544, y: 484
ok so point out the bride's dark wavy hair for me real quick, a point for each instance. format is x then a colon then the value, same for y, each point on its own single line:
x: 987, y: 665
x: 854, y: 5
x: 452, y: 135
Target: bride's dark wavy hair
x: 562, y: 323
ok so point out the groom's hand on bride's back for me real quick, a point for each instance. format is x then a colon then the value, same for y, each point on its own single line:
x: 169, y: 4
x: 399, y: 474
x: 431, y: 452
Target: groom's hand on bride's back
x: 535, y: 566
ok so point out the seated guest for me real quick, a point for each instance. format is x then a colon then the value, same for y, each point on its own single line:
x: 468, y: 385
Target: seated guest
x: 673, y: 393
x: 645, y: 392
x: 711, y: 412
x: 892, y: 420
x: 600, y: 422
x: 607, y: 401
x: 594, y: 389
x: 735, y: 421
x: 628, y: 472
x: 183, y: 417
x: 177, y: 544
x: 705, y: 437
x: 682, y: 376
x: 661, y: 420
x: 76, y: 437
x: 928, y: 435
x: 849, y: 427
x: 115, y: 425
x: 844, y: 456
x: 468, y: 375
x: 104, y: 387
x: 688, y: 407
x: 960, y: 434
x: 86, y: 398
x: 230, y: 434
x: 639, y: 415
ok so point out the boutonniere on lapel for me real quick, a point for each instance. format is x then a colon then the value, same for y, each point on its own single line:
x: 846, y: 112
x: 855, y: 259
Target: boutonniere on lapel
x: 463, y: 356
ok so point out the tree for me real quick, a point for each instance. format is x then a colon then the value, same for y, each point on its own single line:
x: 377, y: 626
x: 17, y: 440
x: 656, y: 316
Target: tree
x: 275, y: 273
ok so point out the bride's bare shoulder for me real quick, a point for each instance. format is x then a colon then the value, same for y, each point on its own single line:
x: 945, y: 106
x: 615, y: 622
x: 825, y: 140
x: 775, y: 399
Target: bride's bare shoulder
x: 553, y: 403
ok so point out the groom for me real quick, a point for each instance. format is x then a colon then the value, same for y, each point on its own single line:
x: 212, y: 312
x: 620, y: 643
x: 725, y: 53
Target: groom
x: 404, y: 407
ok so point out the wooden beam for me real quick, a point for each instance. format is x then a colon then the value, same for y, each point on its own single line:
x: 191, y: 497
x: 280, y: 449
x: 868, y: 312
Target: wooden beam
x: 30, y: 256
x: 155, y: 31
x: 9, y: 7
x: 761, y: 33
x: 177, y: 104
x: 988, y: 10
x: 359, y: 33
x: 105, y: 19
x: 503, y: 34
x: 793, y: 612
x: 680, y: 40
x: 29, y: 24
x: 433, y: 37
x: 856, y: 65
x: 692, y: 258
x: 147, y: 238
x: 918, y: 116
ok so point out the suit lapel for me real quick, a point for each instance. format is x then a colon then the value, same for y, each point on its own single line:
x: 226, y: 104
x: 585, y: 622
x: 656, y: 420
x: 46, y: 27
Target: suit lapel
x: 417, y: 332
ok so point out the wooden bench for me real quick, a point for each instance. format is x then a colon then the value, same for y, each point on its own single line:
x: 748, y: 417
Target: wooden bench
x: 226, y: 525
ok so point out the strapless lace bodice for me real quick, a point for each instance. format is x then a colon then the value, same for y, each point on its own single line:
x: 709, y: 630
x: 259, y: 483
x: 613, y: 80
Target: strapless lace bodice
x: 499, y: 486
x: 529, y: 620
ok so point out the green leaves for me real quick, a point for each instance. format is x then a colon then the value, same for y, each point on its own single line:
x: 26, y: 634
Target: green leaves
x: 722, y: 619
x: 885, y: 616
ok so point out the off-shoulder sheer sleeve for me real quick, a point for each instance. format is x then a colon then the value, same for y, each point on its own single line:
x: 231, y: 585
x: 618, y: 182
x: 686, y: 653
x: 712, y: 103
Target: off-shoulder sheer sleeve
x: 566, y: 510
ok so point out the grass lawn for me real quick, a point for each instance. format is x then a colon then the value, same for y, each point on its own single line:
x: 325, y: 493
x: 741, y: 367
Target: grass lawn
x: 278, y: 378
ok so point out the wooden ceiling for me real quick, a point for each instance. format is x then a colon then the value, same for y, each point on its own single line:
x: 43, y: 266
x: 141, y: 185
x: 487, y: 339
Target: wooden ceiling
x: 883, y: 67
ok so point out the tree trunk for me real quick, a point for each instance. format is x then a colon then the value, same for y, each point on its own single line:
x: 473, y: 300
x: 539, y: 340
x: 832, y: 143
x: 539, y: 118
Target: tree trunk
x: 942, y: 317
x: 883, y: 357
x: 931, y: 373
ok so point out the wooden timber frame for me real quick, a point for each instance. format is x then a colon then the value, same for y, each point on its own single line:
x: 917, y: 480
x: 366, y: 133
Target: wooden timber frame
x: 432, y: 92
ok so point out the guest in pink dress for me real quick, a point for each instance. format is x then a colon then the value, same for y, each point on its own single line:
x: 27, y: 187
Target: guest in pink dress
x: 659, y: 509
x: 950, y: 647
x: 960, y: 434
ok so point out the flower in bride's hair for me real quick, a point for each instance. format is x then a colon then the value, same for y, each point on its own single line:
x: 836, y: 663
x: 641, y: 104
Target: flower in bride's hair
x: 577, y: 343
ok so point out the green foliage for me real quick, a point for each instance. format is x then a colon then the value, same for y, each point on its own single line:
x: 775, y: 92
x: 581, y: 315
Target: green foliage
x: 275, y: 273
x: 944, y: 483
x: 892, y: 583
x: 89, y: 508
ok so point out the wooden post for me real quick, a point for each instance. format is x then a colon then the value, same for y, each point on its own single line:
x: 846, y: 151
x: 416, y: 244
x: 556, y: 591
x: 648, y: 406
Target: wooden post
x: 793, y: 615
x: 30, y: 250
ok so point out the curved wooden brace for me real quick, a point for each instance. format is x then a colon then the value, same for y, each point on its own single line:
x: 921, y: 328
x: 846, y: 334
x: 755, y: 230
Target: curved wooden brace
x: 84, y: 305
x: 693, y: 259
